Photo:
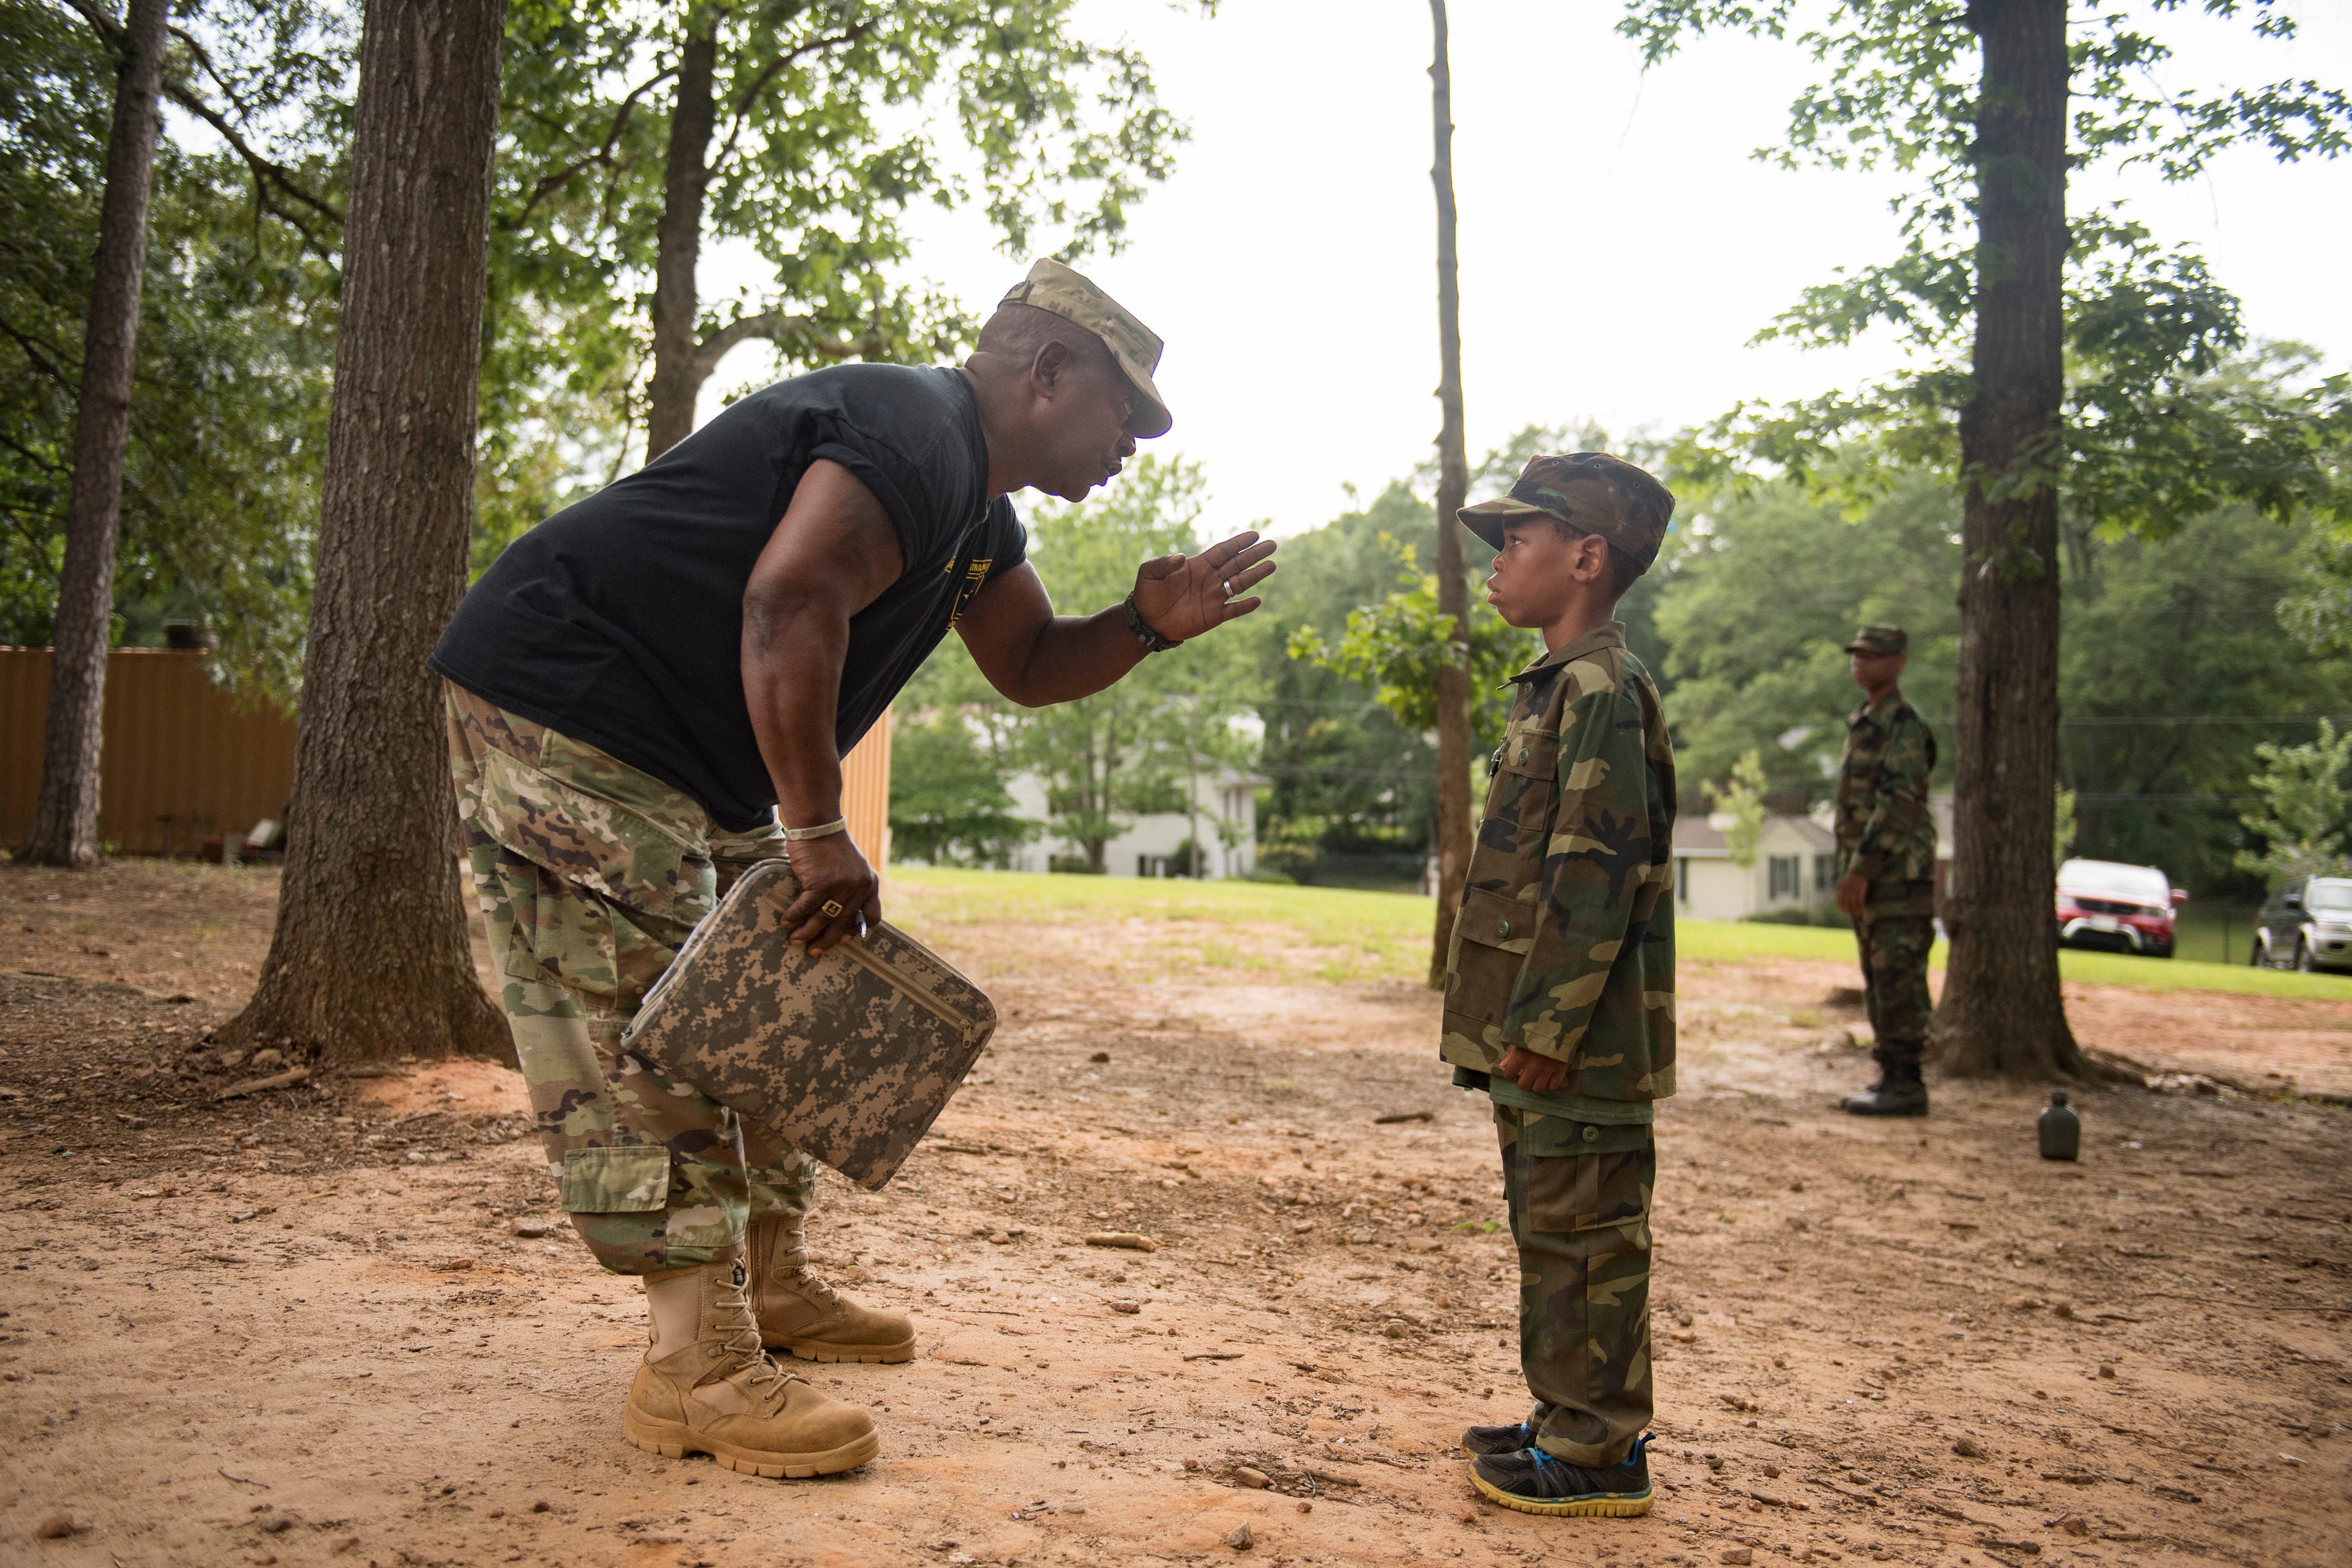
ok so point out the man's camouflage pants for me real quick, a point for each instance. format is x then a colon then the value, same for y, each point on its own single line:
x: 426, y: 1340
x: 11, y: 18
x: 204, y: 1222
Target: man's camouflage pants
x: 591, y: 874
x: 1895, y: 939
x: 1580, y: 1202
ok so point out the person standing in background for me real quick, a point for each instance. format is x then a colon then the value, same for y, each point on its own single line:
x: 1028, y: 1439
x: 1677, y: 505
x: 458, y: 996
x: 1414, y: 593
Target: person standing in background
x: 1887, y: 867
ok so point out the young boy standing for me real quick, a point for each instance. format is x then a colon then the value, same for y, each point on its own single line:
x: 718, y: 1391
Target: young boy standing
x: 1560, y: 982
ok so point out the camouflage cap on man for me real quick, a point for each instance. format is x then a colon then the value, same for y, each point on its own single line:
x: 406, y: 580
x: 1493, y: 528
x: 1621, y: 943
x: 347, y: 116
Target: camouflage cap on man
x: 1880, y: 639
x: 1071, y: 295
x: 1590, y: 490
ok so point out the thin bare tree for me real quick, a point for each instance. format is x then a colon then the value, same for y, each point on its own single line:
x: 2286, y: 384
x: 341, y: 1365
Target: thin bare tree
x: 1453, y: 834
x: 65, y: 817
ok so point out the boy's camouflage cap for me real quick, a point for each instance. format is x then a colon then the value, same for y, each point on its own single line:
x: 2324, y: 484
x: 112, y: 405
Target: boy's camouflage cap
x: 1590, y: 490
x: 1880, y: 639
x: 1072, y: 296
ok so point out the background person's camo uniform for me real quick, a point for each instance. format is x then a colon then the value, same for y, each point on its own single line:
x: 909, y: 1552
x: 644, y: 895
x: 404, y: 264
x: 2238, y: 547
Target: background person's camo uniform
x: 591, y: 874
x: 1564, y: 945
x: 1886, y: 835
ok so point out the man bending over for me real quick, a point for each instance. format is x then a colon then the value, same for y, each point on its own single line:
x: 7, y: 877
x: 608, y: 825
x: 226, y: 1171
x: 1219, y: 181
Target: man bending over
x: 654, y: 689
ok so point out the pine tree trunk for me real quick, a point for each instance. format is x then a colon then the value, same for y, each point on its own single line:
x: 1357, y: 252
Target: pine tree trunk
x: 2002, y: 1013
x: 678, y: 307
x: 65, y: 816
x: 1452, y: 489
x: 369, y: 958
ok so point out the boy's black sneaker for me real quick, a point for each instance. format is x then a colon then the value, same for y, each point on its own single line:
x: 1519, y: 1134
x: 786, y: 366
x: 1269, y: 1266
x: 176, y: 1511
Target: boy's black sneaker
x: 1532, y: 1481
x: 1501, y: 1439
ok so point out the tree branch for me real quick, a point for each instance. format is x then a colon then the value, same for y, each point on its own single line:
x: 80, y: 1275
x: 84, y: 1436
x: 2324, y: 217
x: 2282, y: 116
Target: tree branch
x: 751, y: 95
x: 46, y: 357
x: 799, y: 332
x: 551, y: 183
x: 266, y: 172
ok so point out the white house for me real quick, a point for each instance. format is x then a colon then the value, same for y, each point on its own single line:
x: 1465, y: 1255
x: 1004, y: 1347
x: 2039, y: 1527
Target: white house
x: 1796, y: 865
x: 1796, y: 869
x: 1225, y: 802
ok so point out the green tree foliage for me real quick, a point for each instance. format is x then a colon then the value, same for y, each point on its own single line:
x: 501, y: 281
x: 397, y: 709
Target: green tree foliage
x: 829, y: 120
x: 1393, y: 646
x: 1757, y: 606
x: 2306, y: 817
x: 1103, y: 760
x: 1353, y: 787
x: 2157, y: 424
x: 1740, y: 799
x: 229, y: 393
x: 948, y: 806
x: 2173, y: 663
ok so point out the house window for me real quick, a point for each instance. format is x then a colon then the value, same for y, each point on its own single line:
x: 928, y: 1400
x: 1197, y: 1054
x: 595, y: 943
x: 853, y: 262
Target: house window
x: 1825, y: 872
x: 1681, y: 879
x: 1785, y: 871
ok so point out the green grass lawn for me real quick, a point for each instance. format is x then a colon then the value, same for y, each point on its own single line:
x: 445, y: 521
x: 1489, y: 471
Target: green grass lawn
x: 1386, y: 935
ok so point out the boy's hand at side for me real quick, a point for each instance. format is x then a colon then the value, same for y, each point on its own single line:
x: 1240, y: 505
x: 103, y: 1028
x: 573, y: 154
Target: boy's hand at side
x: 1852, y: 895
x: 1537, y: 1074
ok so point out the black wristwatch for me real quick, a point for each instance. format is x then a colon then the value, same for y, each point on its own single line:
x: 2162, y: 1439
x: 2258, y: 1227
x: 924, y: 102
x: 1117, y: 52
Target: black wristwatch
x: 1144, y: 632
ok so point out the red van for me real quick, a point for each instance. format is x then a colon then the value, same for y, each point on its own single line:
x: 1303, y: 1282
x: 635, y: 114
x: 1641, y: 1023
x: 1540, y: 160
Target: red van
x: 2125, y: 908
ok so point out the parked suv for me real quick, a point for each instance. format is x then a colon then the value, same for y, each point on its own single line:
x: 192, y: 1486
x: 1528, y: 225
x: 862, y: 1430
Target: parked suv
x: 2306, y: 925
x: 2125, y: 909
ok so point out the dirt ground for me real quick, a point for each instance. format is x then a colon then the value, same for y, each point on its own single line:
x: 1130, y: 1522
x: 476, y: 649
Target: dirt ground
x: 343, y: 1322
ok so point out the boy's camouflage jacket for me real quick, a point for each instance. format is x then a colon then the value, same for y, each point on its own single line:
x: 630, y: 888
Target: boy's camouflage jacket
x: 1564, y: 942
x: 1884, y: 829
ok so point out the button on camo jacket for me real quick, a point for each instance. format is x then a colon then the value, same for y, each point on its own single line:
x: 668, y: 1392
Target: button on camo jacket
x: 1884, y: 828
x: 1565, y: 940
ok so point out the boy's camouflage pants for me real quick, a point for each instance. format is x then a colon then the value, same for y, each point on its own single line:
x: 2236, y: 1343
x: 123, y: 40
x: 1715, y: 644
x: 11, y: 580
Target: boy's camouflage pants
x: 1580, y: 1201
x: 1895, y: 940
x: 591, y: 875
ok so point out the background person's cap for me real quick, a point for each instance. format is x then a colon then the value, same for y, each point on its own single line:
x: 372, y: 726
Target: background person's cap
x: 1880, y: 639
x: 1072, y: 296
x: 1593, y: 491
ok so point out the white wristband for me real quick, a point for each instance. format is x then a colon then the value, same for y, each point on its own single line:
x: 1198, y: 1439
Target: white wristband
x: 822, y: 830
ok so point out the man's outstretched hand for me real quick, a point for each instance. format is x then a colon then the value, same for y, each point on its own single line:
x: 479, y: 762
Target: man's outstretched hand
x: 1180, y: 596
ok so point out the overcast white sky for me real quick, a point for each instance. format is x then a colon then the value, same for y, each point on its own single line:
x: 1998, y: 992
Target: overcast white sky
x: 1619, y: 247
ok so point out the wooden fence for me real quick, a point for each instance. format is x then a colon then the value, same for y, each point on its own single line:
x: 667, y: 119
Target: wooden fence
x: 181, y: 762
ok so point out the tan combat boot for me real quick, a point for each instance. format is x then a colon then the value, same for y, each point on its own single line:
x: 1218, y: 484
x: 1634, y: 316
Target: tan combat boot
x: 803, y: 1315
x: 706, y: 1387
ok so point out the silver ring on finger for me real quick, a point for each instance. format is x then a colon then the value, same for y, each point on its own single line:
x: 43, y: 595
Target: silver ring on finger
x: 1228, y: 587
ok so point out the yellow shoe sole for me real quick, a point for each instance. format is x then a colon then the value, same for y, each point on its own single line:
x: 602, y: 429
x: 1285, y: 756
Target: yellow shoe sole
x: 819, y: 1349
x: 673, y: 1441
x: 1604, y: 1507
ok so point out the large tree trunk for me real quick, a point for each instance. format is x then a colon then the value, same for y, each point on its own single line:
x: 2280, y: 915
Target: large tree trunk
x: 369, y: 958
x: 1452, y: 489
x: 678, y: 365
x: 65, y: 817
x: 2001, y: 1012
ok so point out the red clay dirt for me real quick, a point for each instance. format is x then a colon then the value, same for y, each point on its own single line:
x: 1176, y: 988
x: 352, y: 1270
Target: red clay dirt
x: 342, y: 1323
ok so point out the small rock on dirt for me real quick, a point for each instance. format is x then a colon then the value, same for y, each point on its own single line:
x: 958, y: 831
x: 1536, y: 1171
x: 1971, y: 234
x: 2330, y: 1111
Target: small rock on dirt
x: 1099, y: 1056
x: 1738, y: 1555
x: 1306, y: 1507
x: 1256, y: 1479
x: 56, y: 1527
x: 1240, y: 1538
x: 533, y: 1229
x: 1122, y: 1304
x: 1968, y: 1449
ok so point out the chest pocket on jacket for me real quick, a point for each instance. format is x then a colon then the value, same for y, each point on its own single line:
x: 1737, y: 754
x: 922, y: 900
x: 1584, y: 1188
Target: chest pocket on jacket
x: 1518, y: 820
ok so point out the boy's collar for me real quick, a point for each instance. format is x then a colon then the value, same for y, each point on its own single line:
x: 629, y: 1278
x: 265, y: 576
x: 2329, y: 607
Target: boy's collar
x: 1610, y: 633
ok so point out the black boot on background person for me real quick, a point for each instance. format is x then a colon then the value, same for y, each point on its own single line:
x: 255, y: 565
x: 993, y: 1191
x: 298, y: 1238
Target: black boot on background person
x: 1899, y: 1091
